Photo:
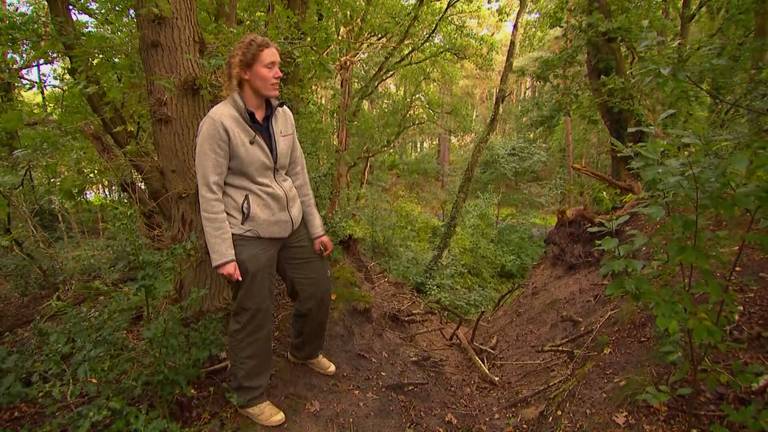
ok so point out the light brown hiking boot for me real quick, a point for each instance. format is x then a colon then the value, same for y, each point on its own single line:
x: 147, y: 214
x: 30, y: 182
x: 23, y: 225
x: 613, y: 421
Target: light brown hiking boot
x: 319, y: 364
x: 264, y: 414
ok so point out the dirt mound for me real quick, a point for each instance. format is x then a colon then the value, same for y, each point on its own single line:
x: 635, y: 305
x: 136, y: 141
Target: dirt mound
x: 569, y: 243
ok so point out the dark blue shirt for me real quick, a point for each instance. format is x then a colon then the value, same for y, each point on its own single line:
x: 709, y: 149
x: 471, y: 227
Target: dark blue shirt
x: 263, y: 128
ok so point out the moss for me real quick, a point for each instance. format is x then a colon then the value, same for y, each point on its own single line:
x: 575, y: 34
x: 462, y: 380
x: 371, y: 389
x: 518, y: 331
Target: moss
x: 346, y: 287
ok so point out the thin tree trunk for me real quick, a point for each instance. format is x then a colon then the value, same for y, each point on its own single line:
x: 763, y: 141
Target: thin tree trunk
x: 444, y: 155
x: 685, y: 25
x: 444, y: 137
x: 342, y: 135
x: 226, y: 12
x: 170, y: 48
x: 366, y: 172
x: 759, y: 63
x: 8, y: 138
x: 569, y: 155
x: 449, y: 228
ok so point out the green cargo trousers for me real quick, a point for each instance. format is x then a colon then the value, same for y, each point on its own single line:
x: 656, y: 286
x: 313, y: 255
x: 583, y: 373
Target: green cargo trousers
x: 307, y: 278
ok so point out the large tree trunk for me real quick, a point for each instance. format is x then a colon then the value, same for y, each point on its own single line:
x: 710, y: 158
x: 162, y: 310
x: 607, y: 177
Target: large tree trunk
x: 502, y: 92
x: 605, y: 60
x: 170, y: 46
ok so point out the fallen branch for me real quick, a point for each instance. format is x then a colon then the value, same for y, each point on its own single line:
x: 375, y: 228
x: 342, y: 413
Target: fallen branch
x: 485, y: 348
x: 502, y: 298
x: 216, y: 367
x: 569, y: 339
x: 425, y: 331
x: 453, y: 333
x: 562, y: 350
x: 473, y: 356
x: 474, y: 328
x: 571, y: 369
x: 633, y: 188
x: 538, y: 391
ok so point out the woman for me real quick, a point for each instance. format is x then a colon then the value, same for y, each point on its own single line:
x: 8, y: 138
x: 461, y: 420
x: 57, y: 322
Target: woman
x: 260, y: 218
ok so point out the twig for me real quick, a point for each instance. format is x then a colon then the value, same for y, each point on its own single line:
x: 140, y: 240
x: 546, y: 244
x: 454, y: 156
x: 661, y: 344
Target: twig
x: 503, y: 297
x: 474, y: 328
x: 538, y: 391
x: 473, y: 356
x: 529, y: 362
x: 406, y: 384
x: 421, y: 332
x: 569, y: 339
x: 485, y: 348
x: 563, y: 350
x: 570, y: 372
x: 216, y: 367
x: 453, y: 333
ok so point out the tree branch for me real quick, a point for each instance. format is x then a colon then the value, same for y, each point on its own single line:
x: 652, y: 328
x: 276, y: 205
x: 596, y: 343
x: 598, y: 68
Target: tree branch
x: 628, y: 187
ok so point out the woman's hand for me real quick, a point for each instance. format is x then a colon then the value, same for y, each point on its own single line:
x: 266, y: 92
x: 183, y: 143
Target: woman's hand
x: 323, y: 245
x: 230, y: 271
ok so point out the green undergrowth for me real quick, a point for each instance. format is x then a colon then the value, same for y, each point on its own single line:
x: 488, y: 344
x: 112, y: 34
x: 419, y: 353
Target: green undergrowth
x: 492, y: 251
x: 110, y: 354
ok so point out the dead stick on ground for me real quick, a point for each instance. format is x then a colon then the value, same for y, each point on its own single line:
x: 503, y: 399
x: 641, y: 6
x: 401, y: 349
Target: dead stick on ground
x: 471, y: 353
x: 565, y: 376
x: 474, y: 328
x: 485, y: 348
x: 562, y: 342
x: 537, y: 392
x: 216, y: 367
x: 458, y: 325
x: 592, y: 336
x: 429, y: 330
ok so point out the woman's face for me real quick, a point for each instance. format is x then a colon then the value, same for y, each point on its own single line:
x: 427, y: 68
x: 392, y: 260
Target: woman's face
x: 263, y: 78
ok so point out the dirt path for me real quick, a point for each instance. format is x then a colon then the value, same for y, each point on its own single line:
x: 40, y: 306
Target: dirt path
x: 398, y: 372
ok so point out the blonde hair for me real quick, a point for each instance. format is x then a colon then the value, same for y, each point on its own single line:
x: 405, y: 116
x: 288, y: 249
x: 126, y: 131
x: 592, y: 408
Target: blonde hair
x: 243, y: 57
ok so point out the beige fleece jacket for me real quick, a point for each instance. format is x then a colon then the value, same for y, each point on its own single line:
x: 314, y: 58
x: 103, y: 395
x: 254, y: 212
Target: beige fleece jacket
x: 241, y: 190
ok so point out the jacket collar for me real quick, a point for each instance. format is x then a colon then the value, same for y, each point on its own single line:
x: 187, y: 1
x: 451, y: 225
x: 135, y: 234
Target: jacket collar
x: 236, y: 100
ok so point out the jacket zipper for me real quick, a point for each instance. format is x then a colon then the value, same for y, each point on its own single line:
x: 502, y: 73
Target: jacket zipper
x: 274, y: 169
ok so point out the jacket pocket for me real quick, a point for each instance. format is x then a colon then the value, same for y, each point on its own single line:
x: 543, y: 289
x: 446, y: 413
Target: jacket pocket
x: 245, y: 209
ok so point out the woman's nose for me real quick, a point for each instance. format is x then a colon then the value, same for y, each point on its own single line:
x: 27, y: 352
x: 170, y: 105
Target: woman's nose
x: 279, y: 73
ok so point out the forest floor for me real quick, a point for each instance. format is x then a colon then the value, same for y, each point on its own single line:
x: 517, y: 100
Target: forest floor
x: 565, y: 358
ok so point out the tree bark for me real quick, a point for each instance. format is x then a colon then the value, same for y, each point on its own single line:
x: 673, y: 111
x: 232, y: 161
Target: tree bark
x: 569, y: 155
x: 170, y: 47
x: 444, y: 137
x: 342, y: 135
x: 605, y: 60
x: 759, y: 62
x: 111, y: 119
x: 502, y: 92
x: 630, y: 187
x: 226, y: 12
x: 444, y: 155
